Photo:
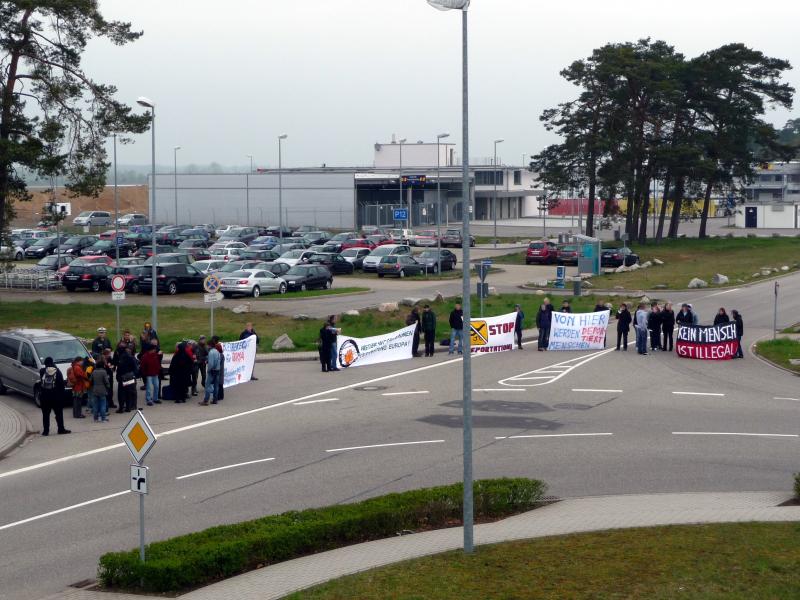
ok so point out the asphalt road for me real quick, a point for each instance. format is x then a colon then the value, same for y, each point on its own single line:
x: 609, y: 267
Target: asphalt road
x: 587, y: 423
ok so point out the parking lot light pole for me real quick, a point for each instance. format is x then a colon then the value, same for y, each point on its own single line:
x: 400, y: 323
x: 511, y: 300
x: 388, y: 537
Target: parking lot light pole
x: 462, y: 5
x: 247, y: 188
x: 439, y: 139
x: 494, y: 200
x: 281, y: 137
x: 116, y: 222
x: 142, y: 101
x: 175, y: 179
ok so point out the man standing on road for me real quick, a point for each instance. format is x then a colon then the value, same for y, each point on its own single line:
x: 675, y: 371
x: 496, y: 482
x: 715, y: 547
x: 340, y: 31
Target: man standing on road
x: 413, y: 319
x: 737, y: 319
x: 667, y: 326
x: 519, y: 322
x: 640, y: 324
x: 101, y: 342
x: 150, y: 369
x: 429, y: 329
x: 52, y: 395
x: 685, y: 317
x: 212, y: 375
x: 456, y: 328
x: 200, y: 358
x: 248, y: 331
x: 623, y: 326
x: 543, y: 320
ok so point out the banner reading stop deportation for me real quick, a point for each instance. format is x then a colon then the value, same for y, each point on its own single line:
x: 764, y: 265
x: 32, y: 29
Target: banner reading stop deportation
x: 578, y: 331
x: 358, y: 352
x: 492, y: 334
x: 715, y: 342
x: 239, y: 360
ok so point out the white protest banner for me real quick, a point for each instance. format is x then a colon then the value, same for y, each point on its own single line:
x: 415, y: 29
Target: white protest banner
x: 578, y: 331
x: 357, y: 352
x: 492, y: 334
x: 239, y: 360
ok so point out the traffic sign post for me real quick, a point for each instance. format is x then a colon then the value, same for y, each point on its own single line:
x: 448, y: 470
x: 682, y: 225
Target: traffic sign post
x: 400, y: 214
x: 483, y: 269
x: 561, y: 275
x: 139, y: 438
x: 211, y: 285
x: 120, y: 240
x: 117, y: 295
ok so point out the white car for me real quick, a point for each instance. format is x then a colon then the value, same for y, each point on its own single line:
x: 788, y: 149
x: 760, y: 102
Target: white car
x: 214, y: 248
x: 371, y: 261
x: 208, y: 266
x: 226, y: 254
x: 221, y: 230
x: 294, y: 257
x: 16, y: 254
x: 425, y: 238
x: 252, y: 282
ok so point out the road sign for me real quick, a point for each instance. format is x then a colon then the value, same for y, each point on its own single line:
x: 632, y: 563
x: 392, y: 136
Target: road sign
x: 414, y: 179
x: 211, y: 284
x: 138, y: 436
x: 120, y: 240
x: 401, y: 214
x: 208, y: 298
x: 139, y: 479
x: 483, y: 269
x: 117, y: 283
x: 117, y: 296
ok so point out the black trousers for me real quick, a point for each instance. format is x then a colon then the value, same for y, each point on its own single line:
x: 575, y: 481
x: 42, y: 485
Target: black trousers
x: 544, y: 337
x: 655, y: 339
x: 430, y: 342
x: 128, y: 396
x: 667, y: 345
x: 325, y: 357
x: 77, y: 404
x: 622, y: 336
x: 518, y: 337
x: 415, y: 343
x: 54, y: 404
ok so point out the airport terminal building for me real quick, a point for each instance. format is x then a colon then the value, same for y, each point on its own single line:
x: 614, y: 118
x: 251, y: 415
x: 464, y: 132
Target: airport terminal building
x: 402, y: 176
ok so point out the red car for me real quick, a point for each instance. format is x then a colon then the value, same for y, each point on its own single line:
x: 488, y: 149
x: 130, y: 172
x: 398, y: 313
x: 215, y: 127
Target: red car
x: 542, y: 252
x: 110, y: 234
x: 358, y: 243
x: 568, y: 255
x: 102, y: 259
x: 380, y: 240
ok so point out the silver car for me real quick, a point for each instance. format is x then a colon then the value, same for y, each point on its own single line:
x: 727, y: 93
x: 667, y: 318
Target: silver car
x: 22, y: 355
x: 252, y: 282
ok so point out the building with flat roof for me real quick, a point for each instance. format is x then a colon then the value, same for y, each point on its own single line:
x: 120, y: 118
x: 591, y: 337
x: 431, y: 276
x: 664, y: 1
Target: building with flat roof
x: 772, y: 200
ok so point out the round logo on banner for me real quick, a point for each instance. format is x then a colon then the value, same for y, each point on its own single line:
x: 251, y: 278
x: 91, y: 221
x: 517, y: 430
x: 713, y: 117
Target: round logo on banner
x: 348, y: 353
x: 117, y: 283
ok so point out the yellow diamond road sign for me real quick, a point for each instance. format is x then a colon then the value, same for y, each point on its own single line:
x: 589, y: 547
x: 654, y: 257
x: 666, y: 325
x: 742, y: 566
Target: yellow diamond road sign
x: 138, y: 436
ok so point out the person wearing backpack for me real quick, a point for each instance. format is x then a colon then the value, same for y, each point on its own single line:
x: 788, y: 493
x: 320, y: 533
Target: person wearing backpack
x: 79, y: 384
x: 51, y: 396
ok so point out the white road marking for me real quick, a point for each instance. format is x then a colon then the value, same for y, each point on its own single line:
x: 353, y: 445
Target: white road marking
x: 549, y: 435
x: 591, y: 390
x: 316, y: 401
x: 792, y: 399
x: 789, y: 435
x: 496, y: 390
x: 722, y: 292
x: 243, y: 464
x: 697, y: 394
x: 552, y: 373
x: 386, y: 445
x: 62, y: 510
x: 405, y: 393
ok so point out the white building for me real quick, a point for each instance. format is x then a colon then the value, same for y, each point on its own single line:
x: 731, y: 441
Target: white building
x: 773, y: 199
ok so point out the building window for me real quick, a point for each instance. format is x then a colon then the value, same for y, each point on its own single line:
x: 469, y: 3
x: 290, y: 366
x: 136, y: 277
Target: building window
x: 517, y: 177
x: 794, y: 178
x: 488, y: 177
x: 779, y: 178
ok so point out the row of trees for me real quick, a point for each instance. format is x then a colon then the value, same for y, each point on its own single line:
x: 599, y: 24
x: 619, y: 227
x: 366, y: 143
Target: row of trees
x: 646, y: 113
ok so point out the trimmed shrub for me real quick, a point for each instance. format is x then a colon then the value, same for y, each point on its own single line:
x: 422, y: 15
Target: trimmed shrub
x: 201, y: 558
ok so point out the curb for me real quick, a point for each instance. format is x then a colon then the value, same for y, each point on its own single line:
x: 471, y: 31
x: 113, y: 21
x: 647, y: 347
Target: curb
x: 767, y: 361
x: 320, y: 297
x: 24, y: 429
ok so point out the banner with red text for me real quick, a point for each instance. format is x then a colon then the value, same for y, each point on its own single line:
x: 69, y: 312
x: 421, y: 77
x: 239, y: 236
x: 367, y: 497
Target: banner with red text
x: 239, y: 360
x: 492, y: 334
x: 578, y: 331
x: 714, y: 342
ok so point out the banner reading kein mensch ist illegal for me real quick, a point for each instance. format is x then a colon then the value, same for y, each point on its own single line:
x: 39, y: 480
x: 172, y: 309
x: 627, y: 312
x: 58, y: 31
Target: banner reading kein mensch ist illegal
x: 357, y: 352
x: 715, y: 342
x: 578, y: 331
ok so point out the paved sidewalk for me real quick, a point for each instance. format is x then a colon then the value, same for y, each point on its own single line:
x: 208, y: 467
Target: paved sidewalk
x: 568, y: 516
x: 13, y: 428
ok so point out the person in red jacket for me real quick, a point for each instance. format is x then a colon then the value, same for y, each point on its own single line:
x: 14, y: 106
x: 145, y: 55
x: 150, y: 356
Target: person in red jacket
x: 150, y: 368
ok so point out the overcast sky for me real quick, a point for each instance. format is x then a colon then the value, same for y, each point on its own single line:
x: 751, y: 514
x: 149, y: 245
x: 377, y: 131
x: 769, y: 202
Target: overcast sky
x: 339, y: 75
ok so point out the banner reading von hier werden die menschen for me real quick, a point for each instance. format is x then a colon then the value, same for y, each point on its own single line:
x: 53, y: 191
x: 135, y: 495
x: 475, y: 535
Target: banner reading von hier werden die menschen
x: 578, y: 331
x: 715, y: 342
x: 239, y: 360
x: 492, y: 334
x: 357, y: 352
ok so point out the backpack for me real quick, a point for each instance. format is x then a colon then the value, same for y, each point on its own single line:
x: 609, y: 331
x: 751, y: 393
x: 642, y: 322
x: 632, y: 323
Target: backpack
x: 49, y: 380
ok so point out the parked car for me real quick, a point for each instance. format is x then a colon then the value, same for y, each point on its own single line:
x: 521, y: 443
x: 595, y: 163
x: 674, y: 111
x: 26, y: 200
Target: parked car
x: 428, y: 260
x: 195, y: 247
x: 138, y: 238
x: 399, y: 266
x: 147, y: 251
x: 110, y: 234
x: 169, y: 238
x: 381, y: 240
x: 217, y: 246
x: 616, y: 257
x: 130, y: 261
x: 276, y: 268
x: 109, y: 248
x: 240, y: 265
x: 43, y: 247
x: 293, y: 257
x: 274, y: 230
x: 208, y: 266
x: 369, y: 229
x: 132, y: 274
x: 426, y: 238
x: 132, y: 219
x: 86, y: 276
x: 143, y: 228
x: 358, y: 243
x: 307, y: 277
x: 568, y: 254
x: 370, y: 263
x: 208, y: 228
x: 225, y: 254
x: 195, y: 232
x: 53, y: 262
x: 316, y: 237
x: 22, y: 355
x: 29, y: 239
x: 252, y: 282
x: 264, y: 255
x: 220, y: 231
x: 334, y: 263
x: 170, y: 228
x: 355, y: 256
x: 284, y: 248
x: 541, y: 252
x: 302, y: 230
x: 344, y: 236
x: 452, y: 237
x: 239, y: 234
x: 171, y: 257
x: 172, y: 278
x: 100, y: 259
x: 76, y: 243
x: 92, y: 218
x: 265, y: 242
x: 400, y: 236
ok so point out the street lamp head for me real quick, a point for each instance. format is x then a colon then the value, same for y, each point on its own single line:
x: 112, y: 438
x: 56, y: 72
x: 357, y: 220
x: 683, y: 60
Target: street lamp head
x: 146, y: 102
x: 499, y: 141
x: 403, y: 141
x: 283, y: 136
x: 441, y: 136
x: 449, y: 4
x: 177, y: 148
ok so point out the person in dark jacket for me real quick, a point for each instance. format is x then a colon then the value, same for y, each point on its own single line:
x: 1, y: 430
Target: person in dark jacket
x: 565, y: 307
x: 333, y: 332
x: 109, y: 367
x: 101, y: 342
x: 654, y: 326
x: 721, y: 317
x: 624, y: 319
x: 180, y: 373
x: 519, y: 323
x: 127, y: 371
x: 603, y: 308
x: 413, y: 319
x: 249, y: 331
x: 667, y: 326
x: 201, y: 360
x: 51, y: 396
x: 324, y: 347
x: 456, y: 328
x: 544, y: 318
x: 685, y: 316
x: 737, y: 318
x: 428, y: 324
x: 221, y: 379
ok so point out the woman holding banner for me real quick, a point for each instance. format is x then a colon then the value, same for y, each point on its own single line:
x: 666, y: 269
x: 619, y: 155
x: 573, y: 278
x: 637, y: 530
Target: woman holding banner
x: 737, y: 318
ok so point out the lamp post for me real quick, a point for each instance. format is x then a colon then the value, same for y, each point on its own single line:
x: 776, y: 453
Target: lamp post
x: 400, y: 178
x: 116, y: 223
x: 494, y: 200
x: 247, y: 192
x: 463, y: 5
x: 147, y: 103
x: 281, y: 137
x: 175, y: 179
x: 439, y: 138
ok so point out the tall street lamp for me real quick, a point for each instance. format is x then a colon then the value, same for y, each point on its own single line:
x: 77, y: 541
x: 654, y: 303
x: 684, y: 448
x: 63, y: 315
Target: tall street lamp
x: 494, y: 200
x: 175, y: 179
x: 400, y: 178
x: 247, y: 192
x: 439, y: 139
x: 281, y: 137
x: 147, y: 103
x: 116, y: 223
x: 462, y: 5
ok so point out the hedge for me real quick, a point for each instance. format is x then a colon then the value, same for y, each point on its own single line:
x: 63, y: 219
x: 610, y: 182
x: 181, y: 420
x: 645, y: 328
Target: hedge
x: 197, y: 559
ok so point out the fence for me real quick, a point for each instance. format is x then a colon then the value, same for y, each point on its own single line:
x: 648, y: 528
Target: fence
x: 28, y: 279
